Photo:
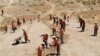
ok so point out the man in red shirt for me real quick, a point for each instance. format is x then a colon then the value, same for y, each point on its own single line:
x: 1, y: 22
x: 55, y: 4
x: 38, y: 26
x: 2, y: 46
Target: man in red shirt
x: 40, y: 49
x: 56, y: 44
x: 45, y: 39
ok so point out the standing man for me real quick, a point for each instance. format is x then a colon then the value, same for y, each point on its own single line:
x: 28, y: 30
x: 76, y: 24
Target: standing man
x: 38, y: 18
x: 61, y: 36
x: 24, y: 20
x: 56, y: 44
x: 80, y: 21
x: 68, y: 19
x: 54, y: 20
x: 2, y: 12
x: 40, y: 49
x: 18, y: 22
x: 30, y: 19
x: 45, y: 39
x: 57, y: 20
x: 53, y: 27
x: 50, y: 17
x: 14, y: 27
x: 95, y: 29
x: 65, y: 17
x: 63, y: 25
x: 6, y: 28
x: 83, y: 26
x: 25, y: 36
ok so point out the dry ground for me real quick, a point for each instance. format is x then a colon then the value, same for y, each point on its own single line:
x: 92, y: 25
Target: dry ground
x: 76, y: 43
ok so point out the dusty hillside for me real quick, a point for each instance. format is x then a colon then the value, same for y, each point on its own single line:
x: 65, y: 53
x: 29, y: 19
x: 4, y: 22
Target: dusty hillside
x: 15, y: 8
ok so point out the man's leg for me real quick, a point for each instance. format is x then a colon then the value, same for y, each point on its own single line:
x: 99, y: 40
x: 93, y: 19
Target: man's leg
x: 58, y: 50
x: 95, y: 33
x: 62, y: 39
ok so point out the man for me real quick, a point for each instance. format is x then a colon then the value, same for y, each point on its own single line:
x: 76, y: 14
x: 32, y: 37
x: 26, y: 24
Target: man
x: 50, y: 17
x: 57, y: 20
x: 2, y: 12
x: 65, y: 17
x: 38, y: 18
x: 56, y: 44
x: 24, y: 20
x: 61, y: 23
x: 64, y: 25
x: 45, y: 39
x: 61, y: 35
x: 25, y: 36
x: 30, y: 18
x: 53, y: 26
x: 95, y: 29
x: 68, y: 19
x: 6, y: 28
x: 83, y: 26
x: 14, y: 27
x: 18, y: 22
x: 54, y: 20
x: 40, y: 49
x: 80, y: 21
x: 17, y: 41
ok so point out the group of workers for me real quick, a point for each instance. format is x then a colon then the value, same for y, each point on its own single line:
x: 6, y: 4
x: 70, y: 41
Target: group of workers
x: 15, y: 24
x: 58, y: 28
